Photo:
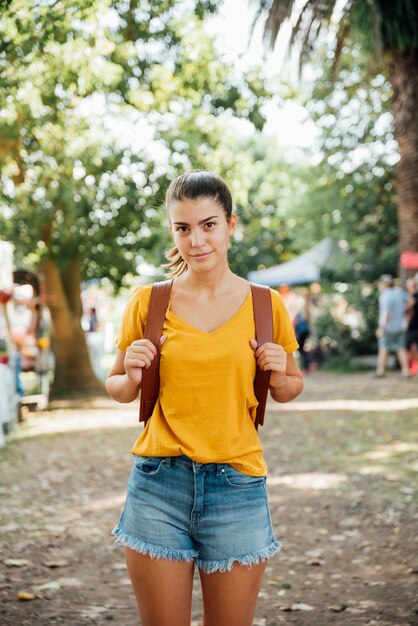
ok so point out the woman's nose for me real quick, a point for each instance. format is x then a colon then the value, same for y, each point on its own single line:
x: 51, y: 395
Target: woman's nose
x: 197, y: 238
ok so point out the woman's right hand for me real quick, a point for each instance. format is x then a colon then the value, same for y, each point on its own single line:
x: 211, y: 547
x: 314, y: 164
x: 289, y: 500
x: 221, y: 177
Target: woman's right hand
x: 139, y: 356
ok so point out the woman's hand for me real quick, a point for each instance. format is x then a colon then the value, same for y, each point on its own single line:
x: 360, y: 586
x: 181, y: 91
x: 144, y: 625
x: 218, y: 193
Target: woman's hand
x: 139, y: 356
x: 271, y: 356
x: 285, y: 379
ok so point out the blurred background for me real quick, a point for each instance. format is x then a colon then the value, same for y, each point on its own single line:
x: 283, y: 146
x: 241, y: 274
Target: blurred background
x: 309, y: 110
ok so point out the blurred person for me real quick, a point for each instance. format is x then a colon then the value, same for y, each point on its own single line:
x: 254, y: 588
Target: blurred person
x: 303, y: 331
x: 20, y: 390
x: 293, y: 301
x: 197, y: 491
x: 316, y: 305
x: 93, y: 322
x: 95, y: 341
x: 412, y: 332
x: 392, y: 325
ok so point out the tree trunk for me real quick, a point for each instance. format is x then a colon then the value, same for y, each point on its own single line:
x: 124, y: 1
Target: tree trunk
x: 73, y: 370
x: 404, y: 78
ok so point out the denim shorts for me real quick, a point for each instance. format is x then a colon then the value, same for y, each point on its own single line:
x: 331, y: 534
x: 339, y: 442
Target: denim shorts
x: 209, y: 513
x: 392, y: 342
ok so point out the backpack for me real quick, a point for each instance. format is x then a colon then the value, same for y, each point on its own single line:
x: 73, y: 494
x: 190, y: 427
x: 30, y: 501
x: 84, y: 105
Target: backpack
x: 150, y: 385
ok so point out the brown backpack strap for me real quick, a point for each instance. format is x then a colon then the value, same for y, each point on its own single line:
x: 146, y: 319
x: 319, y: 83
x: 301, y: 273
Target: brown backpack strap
x: 150, y: 385
x: 263, y: 320
x: 160, y: 295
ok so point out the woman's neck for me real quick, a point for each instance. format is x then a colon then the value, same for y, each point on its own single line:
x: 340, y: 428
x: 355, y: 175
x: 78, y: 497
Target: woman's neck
x: 209, y: 283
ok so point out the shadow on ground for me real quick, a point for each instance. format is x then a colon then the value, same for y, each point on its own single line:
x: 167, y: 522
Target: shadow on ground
x: 342, y: 465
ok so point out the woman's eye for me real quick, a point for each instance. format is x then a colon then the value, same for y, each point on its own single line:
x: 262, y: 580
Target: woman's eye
x: 181, y: 229
x: 210, y: 224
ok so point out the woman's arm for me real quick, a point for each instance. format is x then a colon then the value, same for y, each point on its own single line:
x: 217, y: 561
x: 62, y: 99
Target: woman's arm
x: 286, y: 387
x: 118, y: 385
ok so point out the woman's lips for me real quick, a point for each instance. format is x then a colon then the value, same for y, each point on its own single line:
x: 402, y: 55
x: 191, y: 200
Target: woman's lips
x: 201, y: 256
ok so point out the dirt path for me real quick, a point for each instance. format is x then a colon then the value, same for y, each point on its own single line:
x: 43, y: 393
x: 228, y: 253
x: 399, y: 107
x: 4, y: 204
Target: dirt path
x: 342, y: 462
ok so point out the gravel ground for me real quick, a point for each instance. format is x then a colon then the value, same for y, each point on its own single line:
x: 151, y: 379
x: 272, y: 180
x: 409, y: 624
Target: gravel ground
x: 342, y: 482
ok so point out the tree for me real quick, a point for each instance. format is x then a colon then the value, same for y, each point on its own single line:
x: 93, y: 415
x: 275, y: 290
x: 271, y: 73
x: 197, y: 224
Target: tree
x: 348, y: 192
x: 395, y: 37
x: 77, y: 199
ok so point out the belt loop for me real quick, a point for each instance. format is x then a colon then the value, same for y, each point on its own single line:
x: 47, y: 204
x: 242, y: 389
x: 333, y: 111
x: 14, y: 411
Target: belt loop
x: 167, y: 461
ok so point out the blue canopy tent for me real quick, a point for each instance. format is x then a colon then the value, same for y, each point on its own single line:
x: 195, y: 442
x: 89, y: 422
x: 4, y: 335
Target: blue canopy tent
x: 303, y: 269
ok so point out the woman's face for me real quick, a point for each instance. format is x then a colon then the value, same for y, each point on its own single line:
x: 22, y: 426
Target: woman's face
x: 201, y: 232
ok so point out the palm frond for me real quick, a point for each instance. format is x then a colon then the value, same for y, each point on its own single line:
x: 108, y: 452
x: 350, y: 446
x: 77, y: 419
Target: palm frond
x: 342, y: 33
x: 319, y: 12
x: 279, y: 12
x: 262, y: 7
x: 394, y: 23
x: 298, y: 25
x: 310, y: 18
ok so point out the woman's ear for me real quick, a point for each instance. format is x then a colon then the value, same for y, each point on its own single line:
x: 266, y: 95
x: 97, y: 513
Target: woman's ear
x: 233, y: 221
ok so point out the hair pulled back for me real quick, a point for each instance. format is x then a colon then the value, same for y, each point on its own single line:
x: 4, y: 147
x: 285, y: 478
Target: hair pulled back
x: 190, y: 186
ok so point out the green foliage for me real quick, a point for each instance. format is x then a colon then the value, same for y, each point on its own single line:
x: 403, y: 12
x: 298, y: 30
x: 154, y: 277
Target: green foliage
x: 348, y: 192
x: 399, y: 24
x: 264, y: 238
x: 73, y: 187
x: 378, y: 25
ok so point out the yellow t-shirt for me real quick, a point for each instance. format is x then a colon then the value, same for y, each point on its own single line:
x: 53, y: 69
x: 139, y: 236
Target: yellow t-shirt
x: 206, y: 407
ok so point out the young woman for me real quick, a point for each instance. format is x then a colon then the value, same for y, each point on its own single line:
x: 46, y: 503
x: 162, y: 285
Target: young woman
x: 197, y: 491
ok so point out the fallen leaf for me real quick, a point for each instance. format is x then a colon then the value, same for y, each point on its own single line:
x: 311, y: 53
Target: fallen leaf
x: 16, y: 562
x: 24, y: 595
x: 297, y: 607
x: 53, y: 564
x: 301, y: 607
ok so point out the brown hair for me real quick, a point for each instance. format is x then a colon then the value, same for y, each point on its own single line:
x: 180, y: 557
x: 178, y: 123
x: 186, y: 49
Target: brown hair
x: 192, y: 185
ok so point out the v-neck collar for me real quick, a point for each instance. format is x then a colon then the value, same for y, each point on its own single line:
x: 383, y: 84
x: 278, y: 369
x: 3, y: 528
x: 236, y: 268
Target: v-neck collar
x: 181, y: 322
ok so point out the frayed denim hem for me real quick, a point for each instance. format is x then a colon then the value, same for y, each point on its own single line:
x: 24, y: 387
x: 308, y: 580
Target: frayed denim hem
x: 210, y: 567
x: 155, y: 552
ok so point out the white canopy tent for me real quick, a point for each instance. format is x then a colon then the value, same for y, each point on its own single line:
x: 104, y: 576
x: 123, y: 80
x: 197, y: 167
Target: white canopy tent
x: 305, y: 268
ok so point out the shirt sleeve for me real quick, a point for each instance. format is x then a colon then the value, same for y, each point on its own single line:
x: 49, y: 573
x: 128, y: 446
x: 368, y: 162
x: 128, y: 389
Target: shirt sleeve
x: 133, y: 319
x: 284, y: 333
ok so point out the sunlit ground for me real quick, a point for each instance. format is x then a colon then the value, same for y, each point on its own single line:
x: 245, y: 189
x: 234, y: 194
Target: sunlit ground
x: 342, y: 429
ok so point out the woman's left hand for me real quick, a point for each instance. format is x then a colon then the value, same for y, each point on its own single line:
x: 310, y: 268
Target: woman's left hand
x: 271, y: 356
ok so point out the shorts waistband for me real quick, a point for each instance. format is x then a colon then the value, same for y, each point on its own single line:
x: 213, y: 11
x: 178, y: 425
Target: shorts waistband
x: 187, y: 462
